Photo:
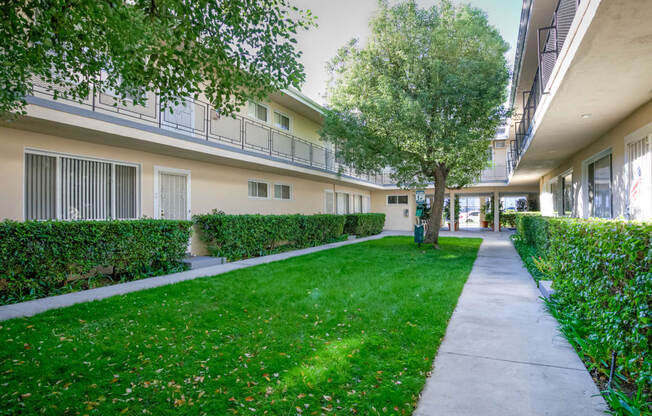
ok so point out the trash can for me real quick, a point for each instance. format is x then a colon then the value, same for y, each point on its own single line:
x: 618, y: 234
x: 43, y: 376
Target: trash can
x: 418, y: 234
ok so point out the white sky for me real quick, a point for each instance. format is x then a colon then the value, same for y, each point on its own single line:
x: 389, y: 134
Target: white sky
x: 341, y: 20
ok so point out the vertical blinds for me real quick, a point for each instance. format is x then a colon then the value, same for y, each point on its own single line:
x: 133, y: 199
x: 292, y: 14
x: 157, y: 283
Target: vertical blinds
x: 40, y: 187
x: 83, y: 189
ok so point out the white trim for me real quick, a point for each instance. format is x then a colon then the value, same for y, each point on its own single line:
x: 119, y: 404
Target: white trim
x: 334, y: 202
x: 274, y: 191
x: 157, y: 202
x: 640, y: 134
x: 290, y: 120
x: 269, y: 111
x: 269, y: 193
x: 584, y: 181
x: 58, y: 202
x: 397, y: 195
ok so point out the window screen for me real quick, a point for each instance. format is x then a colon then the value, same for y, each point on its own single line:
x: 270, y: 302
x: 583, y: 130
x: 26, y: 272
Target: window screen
x: 257, y: 189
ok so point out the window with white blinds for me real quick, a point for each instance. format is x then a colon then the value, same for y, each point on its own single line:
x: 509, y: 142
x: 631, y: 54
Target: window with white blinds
x: 73, y: 188
x: 342, y: 203
x: 366, y: 204
x: 329, y: 202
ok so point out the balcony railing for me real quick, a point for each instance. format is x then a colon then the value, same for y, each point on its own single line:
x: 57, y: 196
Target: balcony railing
x: 198, y: 120
x: 550, y: 41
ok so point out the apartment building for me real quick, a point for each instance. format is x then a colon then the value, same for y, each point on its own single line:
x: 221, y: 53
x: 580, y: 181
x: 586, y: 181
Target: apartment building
x: 582, y: 94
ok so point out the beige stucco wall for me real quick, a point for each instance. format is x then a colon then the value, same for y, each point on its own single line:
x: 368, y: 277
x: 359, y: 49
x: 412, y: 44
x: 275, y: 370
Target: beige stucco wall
x: 213, y: 186
x: 639, y: 121
x: 394, y: 214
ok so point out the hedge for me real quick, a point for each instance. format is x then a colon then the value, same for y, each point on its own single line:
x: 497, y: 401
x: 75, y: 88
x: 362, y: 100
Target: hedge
x: 243, y: 236
x: 45, y: 258
x: 363, y: 225
x: 602, y: 276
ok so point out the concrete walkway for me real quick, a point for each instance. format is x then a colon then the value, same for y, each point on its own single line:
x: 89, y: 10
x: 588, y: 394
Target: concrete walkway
x: 502, y: 353
x: 33, y: 307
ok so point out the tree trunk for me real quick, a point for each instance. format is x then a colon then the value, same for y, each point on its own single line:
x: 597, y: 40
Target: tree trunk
x: 434, y: 222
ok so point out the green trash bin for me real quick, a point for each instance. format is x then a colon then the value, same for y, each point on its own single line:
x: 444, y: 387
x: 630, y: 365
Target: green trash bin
x: 418, y: 234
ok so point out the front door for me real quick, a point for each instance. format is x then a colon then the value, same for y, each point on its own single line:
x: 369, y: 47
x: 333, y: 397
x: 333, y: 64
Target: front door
x: 173, y: 203
x: 639, y: 179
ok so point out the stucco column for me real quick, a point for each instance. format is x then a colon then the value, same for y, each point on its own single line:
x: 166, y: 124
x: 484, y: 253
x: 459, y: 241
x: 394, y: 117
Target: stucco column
x: 496, y: 211
x: 451, y: 214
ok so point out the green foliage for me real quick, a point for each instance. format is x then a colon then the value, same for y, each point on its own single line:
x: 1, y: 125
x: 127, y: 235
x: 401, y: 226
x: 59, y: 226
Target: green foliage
x: 530, y: 256
x: 364, y: 224
x: 507, y: 218
x: 242, y: 236
x: 43, y: 258
x: 345, y: 327
x: 423, y: 97
x: 229, y: 50
x: 602, y: 276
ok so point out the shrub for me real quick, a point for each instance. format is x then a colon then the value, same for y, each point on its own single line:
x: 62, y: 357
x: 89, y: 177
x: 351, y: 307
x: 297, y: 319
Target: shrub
x: 602, y: 276
x: 364, y: 224
x: 507, y: 219
x: 243, y: 236
x: 43, y: 258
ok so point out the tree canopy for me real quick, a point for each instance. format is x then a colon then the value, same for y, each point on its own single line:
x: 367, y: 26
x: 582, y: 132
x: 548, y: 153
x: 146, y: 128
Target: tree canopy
x: 424, y: 97
x: 229, y: 50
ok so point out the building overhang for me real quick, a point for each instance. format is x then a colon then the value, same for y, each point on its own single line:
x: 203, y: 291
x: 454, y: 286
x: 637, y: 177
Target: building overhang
x: 602, y: 75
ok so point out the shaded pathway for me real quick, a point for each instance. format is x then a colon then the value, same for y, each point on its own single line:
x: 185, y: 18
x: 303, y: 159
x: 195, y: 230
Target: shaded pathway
x: 502, y: 353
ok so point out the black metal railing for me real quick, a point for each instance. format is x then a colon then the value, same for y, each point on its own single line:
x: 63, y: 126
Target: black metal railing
x: 550, y: 41
x: 197, y: 119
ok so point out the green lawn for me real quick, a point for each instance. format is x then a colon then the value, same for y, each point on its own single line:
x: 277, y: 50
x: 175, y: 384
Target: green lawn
x: 351, y: 330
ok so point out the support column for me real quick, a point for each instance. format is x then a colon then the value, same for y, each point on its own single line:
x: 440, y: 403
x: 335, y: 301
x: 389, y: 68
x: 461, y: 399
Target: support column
x: 451, y: 205
x: 496, y: 211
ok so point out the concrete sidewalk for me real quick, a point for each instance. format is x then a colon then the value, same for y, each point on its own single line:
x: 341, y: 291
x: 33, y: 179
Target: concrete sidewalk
x: 502, y: 353
x: 33, y: 307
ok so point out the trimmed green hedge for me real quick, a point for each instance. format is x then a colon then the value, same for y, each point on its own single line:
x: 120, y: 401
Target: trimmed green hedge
x: 44, y: 258
x: 243, y: 236
x: 602, y: 276
x: 363, y: 225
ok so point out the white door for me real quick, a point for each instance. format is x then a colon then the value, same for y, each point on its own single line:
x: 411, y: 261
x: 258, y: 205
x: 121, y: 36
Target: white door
x: 173, y: 203
x: 639, y: 179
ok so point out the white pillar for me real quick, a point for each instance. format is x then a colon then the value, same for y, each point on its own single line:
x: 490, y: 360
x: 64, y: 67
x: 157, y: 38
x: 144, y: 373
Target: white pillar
x: 451, y: 205
x: 496, y: 211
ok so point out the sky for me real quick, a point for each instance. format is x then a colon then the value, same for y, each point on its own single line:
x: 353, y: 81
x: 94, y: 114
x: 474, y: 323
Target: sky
x: 341, y: 20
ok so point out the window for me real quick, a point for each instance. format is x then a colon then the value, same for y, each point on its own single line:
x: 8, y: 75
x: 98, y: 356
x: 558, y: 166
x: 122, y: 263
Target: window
x: 639, y: 182
x: 258, y: 111
x: 342, y: 203
x: 397, y: 199
x: 599, y: 187
x: 282, y: 191
x: 366, y: 204
x: 357, y: 203
x: 329, y: 203
x: 257, y: 189
x: 74, y: 188
x: 281, y: 121
x: 499, y: 144
x: 567, y: 193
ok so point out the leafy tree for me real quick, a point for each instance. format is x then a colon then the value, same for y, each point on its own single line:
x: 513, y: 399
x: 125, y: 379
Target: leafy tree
x: 229, y: 50
x: 423, y: 97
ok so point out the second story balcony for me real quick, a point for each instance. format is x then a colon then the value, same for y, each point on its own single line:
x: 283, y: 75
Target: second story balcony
x: 198, y: 121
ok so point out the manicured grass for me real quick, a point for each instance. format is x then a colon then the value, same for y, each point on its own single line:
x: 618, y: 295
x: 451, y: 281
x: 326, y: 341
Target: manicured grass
x: 351, y: 330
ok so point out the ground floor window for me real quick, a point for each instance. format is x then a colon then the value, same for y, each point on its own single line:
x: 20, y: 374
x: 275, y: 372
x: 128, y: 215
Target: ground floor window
x: 329, y: 203
x: 639, y: 179
x: 282, y: 191
x: 76, y: 188
x: 397, y: 199
x: 342, y: 203
x: 257, y: 189
x: 366, y: 204
x: 561, y: 188
x: 599, y: 187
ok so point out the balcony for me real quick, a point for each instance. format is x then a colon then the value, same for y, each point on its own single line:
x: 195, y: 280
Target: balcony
x: 197, y: 120
x: 550, y: 41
